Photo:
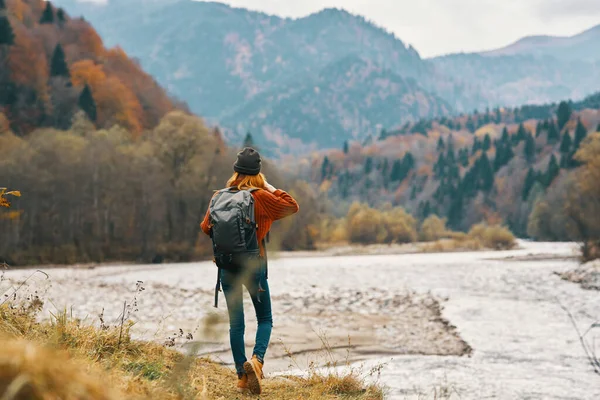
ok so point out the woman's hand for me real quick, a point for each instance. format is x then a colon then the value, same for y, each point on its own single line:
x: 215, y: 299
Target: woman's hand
x: 269, y: 187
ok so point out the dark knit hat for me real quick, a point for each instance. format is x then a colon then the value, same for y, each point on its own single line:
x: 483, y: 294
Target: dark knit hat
x: 248, y: 162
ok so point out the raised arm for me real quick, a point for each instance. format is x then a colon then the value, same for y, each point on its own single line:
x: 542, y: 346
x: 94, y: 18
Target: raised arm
x: 278, y: 204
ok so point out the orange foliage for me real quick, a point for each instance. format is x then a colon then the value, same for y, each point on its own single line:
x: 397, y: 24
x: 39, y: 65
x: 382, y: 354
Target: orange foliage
x: 115, y: 102
x: 153, y: 98
x: 81, y: 41
x: 123, y: 92
x: 27, y: 62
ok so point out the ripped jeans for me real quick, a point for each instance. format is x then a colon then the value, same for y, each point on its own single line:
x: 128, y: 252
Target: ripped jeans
x: 258, y: 287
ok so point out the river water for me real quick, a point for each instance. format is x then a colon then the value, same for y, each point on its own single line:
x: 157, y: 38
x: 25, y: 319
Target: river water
x: 504, y: 305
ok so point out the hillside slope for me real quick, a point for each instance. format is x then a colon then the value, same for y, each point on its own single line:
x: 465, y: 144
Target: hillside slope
x: 494, y: 166
x: 53, y: 66
x: 579, y: 47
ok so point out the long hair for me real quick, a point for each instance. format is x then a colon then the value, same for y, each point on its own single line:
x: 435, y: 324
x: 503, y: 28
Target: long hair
x: 244, y: 182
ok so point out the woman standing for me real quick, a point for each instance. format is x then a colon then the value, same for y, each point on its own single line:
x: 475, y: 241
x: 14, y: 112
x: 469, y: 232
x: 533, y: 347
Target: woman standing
x: 270, y: 205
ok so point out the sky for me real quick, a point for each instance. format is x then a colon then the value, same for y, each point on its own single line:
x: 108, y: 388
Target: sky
x: 437, y: 27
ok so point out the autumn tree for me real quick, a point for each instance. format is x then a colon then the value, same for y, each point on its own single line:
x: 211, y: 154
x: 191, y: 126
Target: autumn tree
x: 47, y: 15
x: 7, y: 36
x: 58, y: 65
x: 563, y: 114
x: 87, y: 103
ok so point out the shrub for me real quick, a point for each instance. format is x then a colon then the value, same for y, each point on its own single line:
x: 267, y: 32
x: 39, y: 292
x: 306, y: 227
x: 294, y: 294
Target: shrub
x: 433, y: 228
x: 493, y: 237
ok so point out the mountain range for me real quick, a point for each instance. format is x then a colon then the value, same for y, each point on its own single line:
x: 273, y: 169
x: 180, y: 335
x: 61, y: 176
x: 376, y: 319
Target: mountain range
x: 317, y: 81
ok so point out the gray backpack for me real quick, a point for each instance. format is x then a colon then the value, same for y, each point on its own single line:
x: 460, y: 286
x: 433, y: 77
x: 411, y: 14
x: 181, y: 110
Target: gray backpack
x: 233, y: 232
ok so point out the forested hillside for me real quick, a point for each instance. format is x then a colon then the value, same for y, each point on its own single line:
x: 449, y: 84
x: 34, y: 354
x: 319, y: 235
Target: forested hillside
x: 108, y: 168
x: 283, y: 78
x: 496, y: 166
x: 53, y: 66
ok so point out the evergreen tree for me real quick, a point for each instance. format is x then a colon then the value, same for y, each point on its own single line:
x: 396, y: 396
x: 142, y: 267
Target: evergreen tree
x: 439, y: 167
x: 346, y: 147
x: 87, y: 103
x: 530, y: 180
x: 563, y: 114
x: 47, y: 15
x: 408, y: 162
x: 529, y: 148
x: 470, y: 125
x: 504, y: 153
x: 487, y: 142
x: 383, y: 134
x: 2, y: 5
x: 505, y: 136
x: 440, y: 144
x: 498, y: 116
x: 553, y: 133
x: 521, y: 133
x: 476, y: 145
x: 552, y: 171
x: 580, y: 134
x: 450, y: 153
x: 7, y: 36
x: 538, y: 129
x: 60, y: 16
x: 565, y: 144
x: 486, y: 173
x: 58, y: 65
x: 598, y: 128
x: 463, y: 157
x: 368, y: 165
x: 325, y: 168
x: 396, y: 174
x: 248, y: 141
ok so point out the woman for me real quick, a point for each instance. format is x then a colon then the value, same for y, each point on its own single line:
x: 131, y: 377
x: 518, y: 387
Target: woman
x: 270, y: 204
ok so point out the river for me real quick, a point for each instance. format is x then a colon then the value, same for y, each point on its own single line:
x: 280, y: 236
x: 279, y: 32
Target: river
x: 504, y: 305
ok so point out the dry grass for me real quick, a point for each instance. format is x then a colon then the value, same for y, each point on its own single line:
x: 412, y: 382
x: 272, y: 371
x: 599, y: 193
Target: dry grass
x: 481, y: 236
x: 67, y: 359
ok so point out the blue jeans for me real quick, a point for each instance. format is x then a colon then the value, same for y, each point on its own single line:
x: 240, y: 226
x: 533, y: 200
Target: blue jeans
x: 258, y: 287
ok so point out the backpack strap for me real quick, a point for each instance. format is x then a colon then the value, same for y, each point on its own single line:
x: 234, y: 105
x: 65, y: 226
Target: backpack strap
x: 218, y: 288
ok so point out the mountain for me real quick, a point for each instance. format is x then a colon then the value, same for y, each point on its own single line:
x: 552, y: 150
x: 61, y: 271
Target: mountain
x: 346, y: 99
x: 227, y: 62
x: 535, y: 69
x: 53, y: 66
x: 247, y: 70
x: 580, y: 47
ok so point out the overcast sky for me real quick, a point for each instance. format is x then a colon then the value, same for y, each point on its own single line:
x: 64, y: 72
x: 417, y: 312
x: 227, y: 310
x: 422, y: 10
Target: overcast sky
x: 436, y: 27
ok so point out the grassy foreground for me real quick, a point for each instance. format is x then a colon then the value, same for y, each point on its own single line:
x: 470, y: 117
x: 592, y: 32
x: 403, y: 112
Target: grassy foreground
x: 66, y: 359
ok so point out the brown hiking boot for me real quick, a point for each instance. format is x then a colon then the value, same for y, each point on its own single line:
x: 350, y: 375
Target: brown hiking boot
x: 254, y: 372
x: 242, y: 384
